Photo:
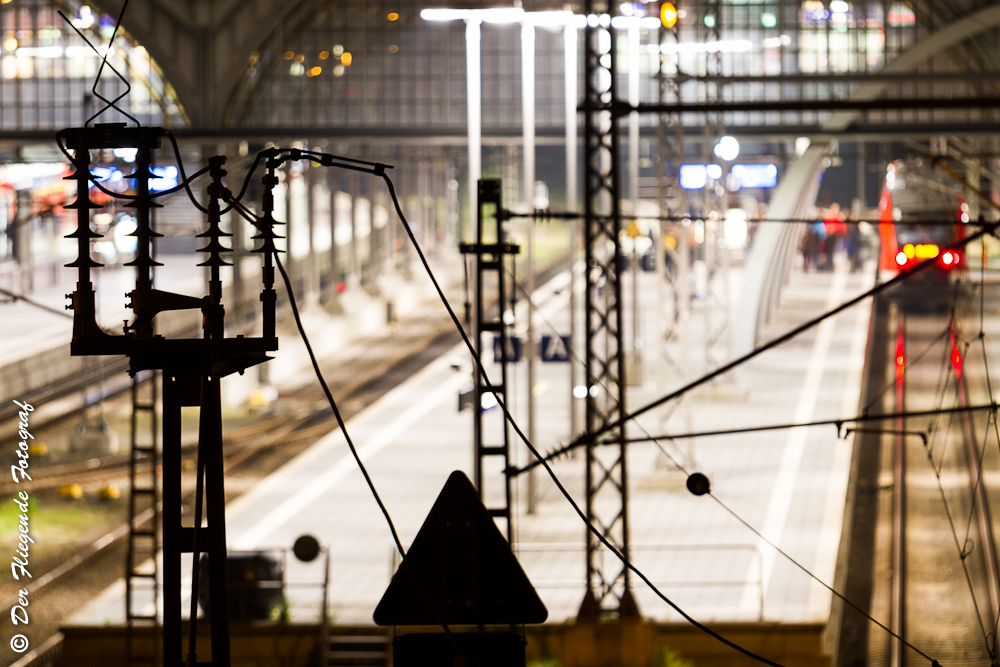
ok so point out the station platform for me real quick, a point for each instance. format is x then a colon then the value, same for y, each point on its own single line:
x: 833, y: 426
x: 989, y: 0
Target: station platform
x: 789, y: 485
x: 35, y: 356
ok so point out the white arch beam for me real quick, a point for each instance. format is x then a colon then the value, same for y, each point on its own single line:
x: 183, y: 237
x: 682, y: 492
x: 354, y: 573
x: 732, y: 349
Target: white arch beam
x: 954, y: 33
x: 202, y: 46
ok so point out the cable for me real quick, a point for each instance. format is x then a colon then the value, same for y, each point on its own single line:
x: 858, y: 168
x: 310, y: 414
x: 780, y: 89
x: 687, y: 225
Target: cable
x: 829, y: 422
x: 544, y: 214
x: 343, y: 427
x: 482, y: 371
x: 184, y: 178
x: 31, y: 302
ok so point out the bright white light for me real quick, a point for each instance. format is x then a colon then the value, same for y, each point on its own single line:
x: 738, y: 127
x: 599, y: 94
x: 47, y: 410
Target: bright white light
x: 693, y: 176
x: 839, y: 6
x: 626, y: 22
x: 595, y: 391
x: 714, y: 171
x: 38, y: 51
x: 626, y: 9
x: 605, y: 20
x: 727, y: 149
x: 166, y: 178
x: 592, y: 20
x: 723, y: 46
x: 23, y: 176
x: 777, y: 42
x: 552, y: 19
x: 735, y: 228
x: 445, y: 14
x: 502, y: 15
x: 127, y: 154
x: 125, y: 244
x: 580, y: 391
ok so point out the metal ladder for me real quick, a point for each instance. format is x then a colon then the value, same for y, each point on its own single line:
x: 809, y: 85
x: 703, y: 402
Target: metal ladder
x: 491, y: 250
x: 141, y: 570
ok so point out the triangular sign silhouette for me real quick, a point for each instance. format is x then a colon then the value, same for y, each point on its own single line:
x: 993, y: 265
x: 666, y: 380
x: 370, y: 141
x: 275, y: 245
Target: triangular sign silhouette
x: 459, y: 569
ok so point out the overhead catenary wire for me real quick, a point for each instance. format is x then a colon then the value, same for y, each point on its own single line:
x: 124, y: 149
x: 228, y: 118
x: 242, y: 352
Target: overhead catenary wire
x: 248, y: 215
x: 839, y: 423
x: 795, y: 331
x: 545, y: 214
x: 379, y: 170
x: 562, y: 489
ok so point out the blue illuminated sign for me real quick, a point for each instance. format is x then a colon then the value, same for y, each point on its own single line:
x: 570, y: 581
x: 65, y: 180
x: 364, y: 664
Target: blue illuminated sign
x: 755, y: 175
x: 693, y: 176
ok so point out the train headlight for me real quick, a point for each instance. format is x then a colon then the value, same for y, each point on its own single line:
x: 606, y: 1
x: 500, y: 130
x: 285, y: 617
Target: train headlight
x: 948, y: 258
x: 901, y: 258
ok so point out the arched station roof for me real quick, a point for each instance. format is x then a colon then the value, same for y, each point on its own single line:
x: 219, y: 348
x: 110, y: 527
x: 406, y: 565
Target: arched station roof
x: 232, y: 66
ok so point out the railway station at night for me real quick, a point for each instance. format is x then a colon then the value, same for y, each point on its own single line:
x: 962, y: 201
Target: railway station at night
x: 528, y: 333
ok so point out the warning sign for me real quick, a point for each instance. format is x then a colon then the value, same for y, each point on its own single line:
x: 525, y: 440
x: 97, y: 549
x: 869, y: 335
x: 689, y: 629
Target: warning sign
x: 459, y: 569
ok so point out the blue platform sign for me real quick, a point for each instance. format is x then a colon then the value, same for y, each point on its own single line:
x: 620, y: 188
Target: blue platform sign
x: 555, y: 348
x: 515, y: 349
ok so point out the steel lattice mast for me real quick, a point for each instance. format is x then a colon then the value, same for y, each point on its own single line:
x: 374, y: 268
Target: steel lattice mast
x: 608, y: 586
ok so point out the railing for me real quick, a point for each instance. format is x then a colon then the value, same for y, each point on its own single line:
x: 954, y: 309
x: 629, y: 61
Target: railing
x: 580, y: 583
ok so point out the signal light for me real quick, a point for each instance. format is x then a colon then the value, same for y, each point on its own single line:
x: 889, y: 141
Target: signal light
x: 949, y: 258
x: 901, y: 258
x: 668, y: 15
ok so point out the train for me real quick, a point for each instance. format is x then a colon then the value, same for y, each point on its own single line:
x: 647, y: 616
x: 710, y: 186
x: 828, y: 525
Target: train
x: 921, y: 219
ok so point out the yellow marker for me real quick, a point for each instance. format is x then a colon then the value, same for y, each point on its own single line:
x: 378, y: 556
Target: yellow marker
x: 668, y: 15
x: 74, y: 491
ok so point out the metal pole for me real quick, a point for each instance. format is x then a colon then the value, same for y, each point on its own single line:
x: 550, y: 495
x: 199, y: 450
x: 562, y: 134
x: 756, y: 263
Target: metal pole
x: 634, y: 375
x: 571, y: 67
x: 473, y: 93
x: 528, y: 123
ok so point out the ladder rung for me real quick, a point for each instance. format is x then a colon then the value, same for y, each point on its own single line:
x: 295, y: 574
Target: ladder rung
x: 498, y: 511
x: 497, y: 450
x: 143, y: 406
x: 491, y: 325
x: 493, y: 389
x: 143, y: 575
x: 140, y: 489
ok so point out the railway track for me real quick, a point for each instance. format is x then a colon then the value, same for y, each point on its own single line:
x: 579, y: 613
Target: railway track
x: 934, y: 579
x: 250, y: 451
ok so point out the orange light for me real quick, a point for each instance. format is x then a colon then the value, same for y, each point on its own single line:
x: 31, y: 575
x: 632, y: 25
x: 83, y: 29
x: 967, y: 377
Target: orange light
x: 668, y: 15
x: 393, y: 16
x: 346, y: 59
x: 393, y: 49
x: 315, y: 71
x: 323, y: 55
x: 289, y: 55
x: 901, y: 258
